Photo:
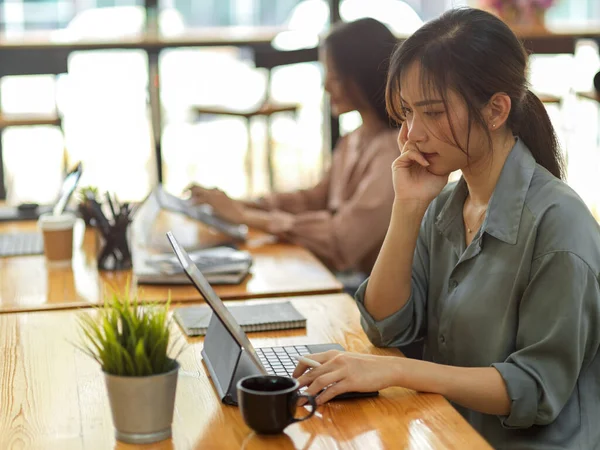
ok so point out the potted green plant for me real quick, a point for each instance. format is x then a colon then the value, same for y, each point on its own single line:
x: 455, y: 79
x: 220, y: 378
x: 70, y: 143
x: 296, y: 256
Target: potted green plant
x: 132, y: 344
x: 84, y: 195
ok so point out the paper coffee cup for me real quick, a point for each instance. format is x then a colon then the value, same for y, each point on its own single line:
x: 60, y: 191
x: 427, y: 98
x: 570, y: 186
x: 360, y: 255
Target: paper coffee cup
x: 58, y: 237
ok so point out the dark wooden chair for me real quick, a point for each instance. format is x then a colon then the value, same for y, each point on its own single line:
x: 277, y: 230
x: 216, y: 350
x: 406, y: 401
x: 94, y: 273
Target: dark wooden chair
x: 549, y: 98
x: 590, y: 95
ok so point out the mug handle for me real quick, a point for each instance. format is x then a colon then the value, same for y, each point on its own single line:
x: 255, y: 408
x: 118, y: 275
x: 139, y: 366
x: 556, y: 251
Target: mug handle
x: 313, y: 404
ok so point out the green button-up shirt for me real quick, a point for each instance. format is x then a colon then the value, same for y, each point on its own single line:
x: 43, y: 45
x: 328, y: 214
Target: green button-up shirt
x: 523, y: 297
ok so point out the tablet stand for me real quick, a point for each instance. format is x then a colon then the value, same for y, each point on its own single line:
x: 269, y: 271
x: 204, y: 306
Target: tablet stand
x: 226, y: 361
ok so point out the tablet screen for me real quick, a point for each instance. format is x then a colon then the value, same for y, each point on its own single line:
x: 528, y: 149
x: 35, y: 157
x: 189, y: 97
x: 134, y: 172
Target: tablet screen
x: 215, y: 302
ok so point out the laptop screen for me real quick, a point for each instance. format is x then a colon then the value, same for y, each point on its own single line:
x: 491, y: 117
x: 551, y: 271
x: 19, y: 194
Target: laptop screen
x: 215, y: 302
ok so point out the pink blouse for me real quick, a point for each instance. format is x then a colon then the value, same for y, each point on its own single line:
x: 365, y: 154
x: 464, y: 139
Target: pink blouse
x: 344, y: 218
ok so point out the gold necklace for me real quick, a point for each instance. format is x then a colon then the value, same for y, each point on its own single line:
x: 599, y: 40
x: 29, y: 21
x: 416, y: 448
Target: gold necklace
x: 469, y: 229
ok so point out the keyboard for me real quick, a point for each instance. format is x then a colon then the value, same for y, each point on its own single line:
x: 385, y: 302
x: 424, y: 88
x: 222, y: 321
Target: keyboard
x: 21, y: 244
x: 279, y: 361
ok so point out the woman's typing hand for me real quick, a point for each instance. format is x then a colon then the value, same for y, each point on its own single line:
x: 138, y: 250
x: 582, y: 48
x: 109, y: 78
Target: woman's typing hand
x: 342, y: 372
x: 225, y: 207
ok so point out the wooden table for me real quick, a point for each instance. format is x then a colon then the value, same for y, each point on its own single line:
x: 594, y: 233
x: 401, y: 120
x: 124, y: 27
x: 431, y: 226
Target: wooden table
x: 53, y: 396
x: 556, y: 40
x: 236, y: 36
x: 27, y: 284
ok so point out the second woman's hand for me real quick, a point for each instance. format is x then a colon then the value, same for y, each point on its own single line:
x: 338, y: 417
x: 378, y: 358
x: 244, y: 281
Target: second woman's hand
x: 342, y: 372
x: 223, y: 206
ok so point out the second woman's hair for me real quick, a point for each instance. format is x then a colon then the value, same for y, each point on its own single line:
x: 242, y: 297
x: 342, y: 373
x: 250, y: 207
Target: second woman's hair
x: 477, y: 55
x: 360, y: 52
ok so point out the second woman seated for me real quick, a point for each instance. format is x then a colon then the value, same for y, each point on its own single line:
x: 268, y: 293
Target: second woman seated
x: 344, y: 218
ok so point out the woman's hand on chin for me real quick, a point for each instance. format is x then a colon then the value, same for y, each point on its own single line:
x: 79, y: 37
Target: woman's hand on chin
x: 413, y: 181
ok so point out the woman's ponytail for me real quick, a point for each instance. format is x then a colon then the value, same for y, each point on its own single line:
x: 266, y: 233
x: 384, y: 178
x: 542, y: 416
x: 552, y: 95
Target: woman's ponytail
x: 531, y: 123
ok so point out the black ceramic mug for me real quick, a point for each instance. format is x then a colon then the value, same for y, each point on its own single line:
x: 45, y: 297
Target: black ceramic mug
x: 268, y: 402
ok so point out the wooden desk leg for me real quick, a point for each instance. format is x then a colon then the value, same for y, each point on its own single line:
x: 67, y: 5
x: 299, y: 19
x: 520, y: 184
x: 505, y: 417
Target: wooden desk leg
x: 249, y: 160
x: 155, y: 113
x: 270, y: 168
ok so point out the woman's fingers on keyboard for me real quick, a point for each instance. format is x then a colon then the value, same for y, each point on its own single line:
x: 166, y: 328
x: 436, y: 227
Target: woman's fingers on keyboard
x: 320, y: 358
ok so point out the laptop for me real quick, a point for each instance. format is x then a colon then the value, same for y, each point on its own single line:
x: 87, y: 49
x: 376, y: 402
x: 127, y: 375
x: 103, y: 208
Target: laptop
x: 31, y: 242
x: 201, y: 213
x: 228, y: 353
x: 32, y: 211
x: 154, y: 262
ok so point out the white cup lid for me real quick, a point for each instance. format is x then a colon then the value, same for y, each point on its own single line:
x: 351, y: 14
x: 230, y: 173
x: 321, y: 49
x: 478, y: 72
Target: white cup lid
x: 49, y: 222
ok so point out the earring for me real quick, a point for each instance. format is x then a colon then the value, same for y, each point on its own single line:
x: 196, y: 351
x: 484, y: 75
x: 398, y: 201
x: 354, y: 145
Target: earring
x: 493, y: 125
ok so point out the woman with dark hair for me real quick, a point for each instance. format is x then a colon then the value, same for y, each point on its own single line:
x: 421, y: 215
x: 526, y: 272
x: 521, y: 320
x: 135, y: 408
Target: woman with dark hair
x: 497, y: 272
x: 343, y: 219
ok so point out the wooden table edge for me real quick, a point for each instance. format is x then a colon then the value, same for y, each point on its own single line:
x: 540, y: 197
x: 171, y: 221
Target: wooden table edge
x: 236, y: 297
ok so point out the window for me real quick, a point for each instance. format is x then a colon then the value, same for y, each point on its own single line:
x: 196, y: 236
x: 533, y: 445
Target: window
x: 19, y: 15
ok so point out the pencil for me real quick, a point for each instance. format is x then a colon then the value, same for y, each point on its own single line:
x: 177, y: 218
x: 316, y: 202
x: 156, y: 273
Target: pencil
x: 309, y: 362
x: 112, y: 208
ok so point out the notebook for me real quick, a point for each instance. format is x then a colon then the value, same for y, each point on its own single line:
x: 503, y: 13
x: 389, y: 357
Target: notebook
x: 220, y: 265
x: 269, y: 316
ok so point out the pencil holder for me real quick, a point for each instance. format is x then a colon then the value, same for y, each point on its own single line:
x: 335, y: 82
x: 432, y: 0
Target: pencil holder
x: 115, y: 253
